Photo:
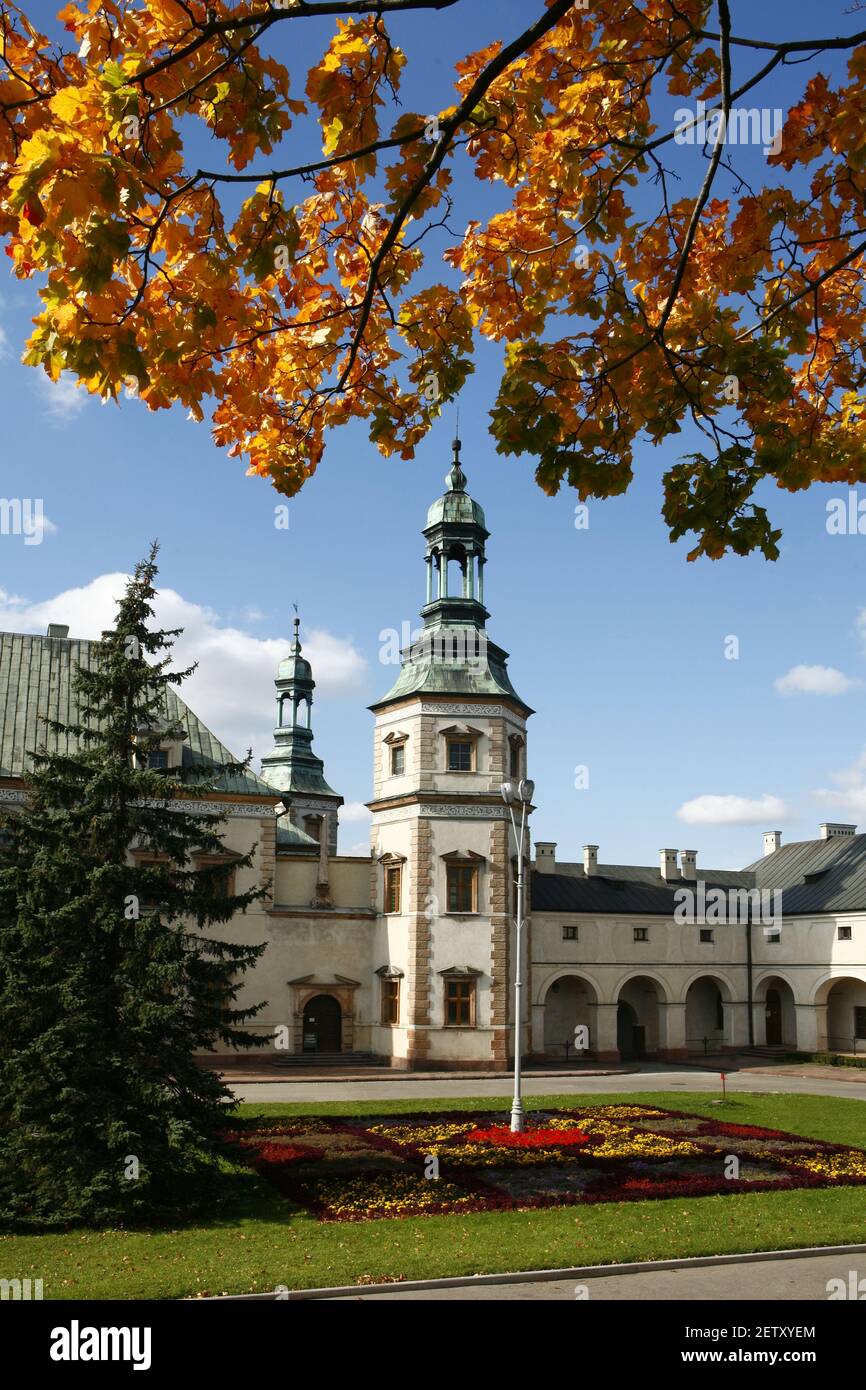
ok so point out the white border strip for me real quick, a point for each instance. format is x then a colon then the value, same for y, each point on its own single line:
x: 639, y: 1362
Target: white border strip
x: 527, y: 1276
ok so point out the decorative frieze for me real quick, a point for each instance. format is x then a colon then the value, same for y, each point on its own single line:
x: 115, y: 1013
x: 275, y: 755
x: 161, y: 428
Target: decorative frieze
x: 485, y: 711
x: 440, y: 811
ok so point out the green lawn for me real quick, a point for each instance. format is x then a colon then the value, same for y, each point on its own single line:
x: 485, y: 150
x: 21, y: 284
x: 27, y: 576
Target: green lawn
x: 266, y: 1241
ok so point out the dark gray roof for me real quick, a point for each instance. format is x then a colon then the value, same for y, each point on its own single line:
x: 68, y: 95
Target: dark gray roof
x: 813, y: 875
x: 620, y: 888
x: 36, y: 683
x: 817, y: 875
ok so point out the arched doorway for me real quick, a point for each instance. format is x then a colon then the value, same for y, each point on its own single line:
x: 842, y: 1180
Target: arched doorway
x: 773, y: 1013
x: 569, y: 1003
x: 776, y: 1009
x: 705, y: 1014
x: 628, y: 1037
x: 323, y: 1024
x: 845, y: 1000
x: 637, y: 1018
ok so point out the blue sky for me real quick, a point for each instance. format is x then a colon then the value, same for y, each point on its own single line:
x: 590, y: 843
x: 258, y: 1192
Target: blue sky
x: 615, y: 640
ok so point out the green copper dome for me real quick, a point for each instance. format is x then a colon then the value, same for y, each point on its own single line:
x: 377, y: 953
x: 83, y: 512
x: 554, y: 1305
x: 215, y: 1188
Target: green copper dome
x: 452, y: 655
x: 294, y: 668
x: 456, y: 504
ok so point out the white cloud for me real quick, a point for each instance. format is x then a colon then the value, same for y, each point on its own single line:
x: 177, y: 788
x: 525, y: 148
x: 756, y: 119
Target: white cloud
x: 355, y: 811
x: 63, y: 399
x: 361, y: 849
x: 849, y: 794
x: 815, y: 680
x: 733, y: 810
x: 232, y: 690
x: 4, y: 343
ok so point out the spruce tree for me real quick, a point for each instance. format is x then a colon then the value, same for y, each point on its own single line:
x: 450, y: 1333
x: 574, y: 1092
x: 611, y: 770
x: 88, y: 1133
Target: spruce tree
x: 109, y: 982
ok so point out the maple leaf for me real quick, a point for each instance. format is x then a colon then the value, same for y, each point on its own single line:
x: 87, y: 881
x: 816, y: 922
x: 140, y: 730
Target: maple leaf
x: 627, y: 305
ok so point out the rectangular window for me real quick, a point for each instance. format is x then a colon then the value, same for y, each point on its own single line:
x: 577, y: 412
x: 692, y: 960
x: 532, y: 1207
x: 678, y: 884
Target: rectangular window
x: 773, y: 938
x: 393, y: 877
x: 223, y: 885
x: 859, y: 1021
x: 515, y: 760
x: 462, y: 888
x: 391, y: 1001
x: 845, y: 934
x: 569, y: 933
x: 313, y: 828
x: 157, y: 759
x: 398, y: 760
x: 459, y: 755
x: 459, y: 1003
x: 641, y: 933
x: 706, y: 936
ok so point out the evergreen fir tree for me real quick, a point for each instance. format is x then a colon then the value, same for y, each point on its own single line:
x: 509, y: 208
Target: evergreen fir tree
x: 109, y: 982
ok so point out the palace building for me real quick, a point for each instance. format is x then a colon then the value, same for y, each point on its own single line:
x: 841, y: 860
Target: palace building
x: 407, y: 955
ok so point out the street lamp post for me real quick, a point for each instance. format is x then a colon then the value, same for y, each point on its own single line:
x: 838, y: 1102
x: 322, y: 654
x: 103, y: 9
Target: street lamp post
x: 513, y: 795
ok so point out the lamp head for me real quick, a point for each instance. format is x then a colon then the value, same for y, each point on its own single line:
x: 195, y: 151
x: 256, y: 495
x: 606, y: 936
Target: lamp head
x: 508, y: 793
x: 526, y: 790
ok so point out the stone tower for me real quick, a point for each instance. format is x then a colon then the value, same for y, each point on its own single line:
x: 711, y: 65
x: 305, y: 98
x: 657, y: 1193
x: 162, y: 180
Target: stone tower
x: 292, y: 768
x: 448, y: 733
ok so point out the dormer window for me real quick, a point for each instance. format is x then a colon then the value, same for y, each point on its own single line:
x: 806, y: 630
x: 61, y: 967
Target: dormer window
x: 159, y: 747
x: 313, y: 828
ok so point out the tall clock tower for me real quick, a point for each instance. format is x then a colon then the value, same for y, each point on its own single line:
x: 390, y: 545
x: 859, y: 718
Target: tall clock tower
x: 450, y: 730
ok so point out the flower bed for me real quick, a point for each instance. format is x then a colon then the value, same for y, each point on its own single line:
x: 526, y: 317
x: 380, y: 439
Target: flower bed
x: 458, y: 1162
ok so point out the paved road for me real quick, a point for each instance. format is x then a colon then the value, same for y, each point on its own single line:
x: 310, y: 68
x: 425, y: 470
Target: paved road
x: 759, y: 1281
x: 648, y: 1078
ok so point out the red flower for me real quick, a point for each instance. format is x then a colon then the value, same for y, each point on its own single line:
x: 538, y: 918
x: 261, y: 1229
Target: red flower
x: 529, y: 1139
x: 287, y: 1153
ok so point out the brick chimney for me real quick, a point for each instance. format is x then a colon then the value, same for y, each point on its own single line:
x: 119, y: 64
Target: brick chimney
x: 545, y: 856
x: 668, y: 864
x: 772, y: 841
x: 689, y: 863
x: 590, y: 860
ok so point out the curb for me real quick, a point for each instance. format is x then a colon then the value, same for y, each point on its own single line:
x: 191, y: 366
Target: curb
x: 532, y: 1276
x: 390, y: 1074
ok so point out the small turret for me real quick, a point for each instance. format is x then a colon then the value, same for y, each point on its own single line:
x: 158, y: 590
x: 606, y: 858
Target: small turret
x: 292, y: 768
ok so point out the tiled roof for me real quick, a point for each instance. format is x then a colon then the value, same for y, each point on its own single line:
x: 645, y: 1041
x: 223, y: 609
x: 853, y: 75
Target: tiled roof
x: 36, y: 683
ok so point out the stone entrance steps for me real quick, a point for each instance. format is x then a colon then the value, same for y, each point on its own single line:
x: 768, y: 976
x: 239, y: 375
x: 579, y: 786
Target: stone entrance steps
x: 775, y: 1050
x: 342, y: 1060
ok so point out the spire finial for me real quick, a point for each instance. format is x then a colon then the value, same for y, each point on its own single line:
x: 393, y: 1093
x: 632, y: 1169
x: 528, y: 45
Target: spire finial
x: 455, y: 477
x: 297, y: 626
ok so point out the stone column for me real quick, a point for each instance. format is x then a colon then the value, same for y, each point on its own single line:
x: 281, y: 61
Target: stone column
x: 500, y: 953
x: 429, y: 563
x: 322, y: 897
x: 672, y: 1032
x: 420, y: 940
x: 811, y: 1022
x: 604, y: 1044
x: 736, y: 1016
x: 537, y: 1030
